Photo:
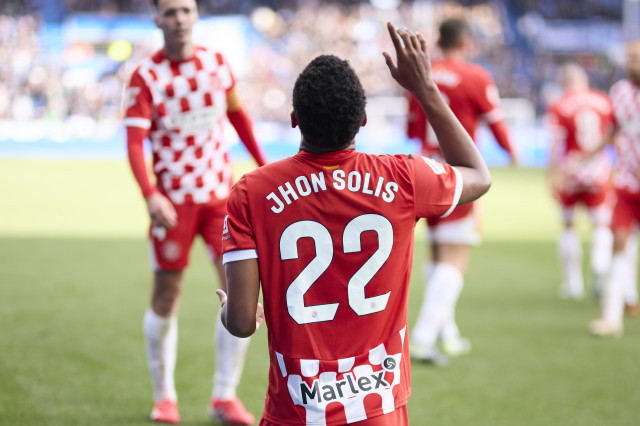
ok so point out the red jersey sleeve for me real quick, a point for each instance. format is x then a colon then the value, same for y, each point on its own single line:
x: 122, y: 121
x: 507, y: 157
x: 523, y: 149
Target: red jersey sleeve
x: 238, y: 238
x: 437, y: 187
x: 226, y: 74
x: 557, y: 135
x: 138, y: 111
x: 487, y: 102
x: 138, y: 106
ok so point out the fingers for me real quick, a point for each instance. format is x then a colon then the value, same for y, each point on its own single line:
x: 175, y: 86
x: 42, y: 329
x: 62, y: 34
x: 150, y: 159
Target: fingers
x: 423, y: 42
x: 394, y: 37
x: 404, y: 38
x: 171, y: 216
x: 259, y: 315
x: 223, y: 297
x: 390, y: 63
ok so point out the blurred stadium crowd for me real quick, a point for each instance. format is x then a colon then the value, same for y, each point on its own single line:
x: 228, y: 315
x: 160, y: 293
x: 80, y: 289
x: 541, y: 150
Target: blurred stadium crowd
x: 286, y: 34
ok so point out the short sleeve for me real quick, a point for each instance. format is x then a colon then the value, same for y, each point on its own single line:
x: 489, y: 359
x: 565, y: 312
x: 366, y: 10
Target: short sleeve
x: 438, y: 187
x: 554, y: 124
x: 488, y: 99
x: 238, y: 240
x: 138, y: 106
x: 225, y: 73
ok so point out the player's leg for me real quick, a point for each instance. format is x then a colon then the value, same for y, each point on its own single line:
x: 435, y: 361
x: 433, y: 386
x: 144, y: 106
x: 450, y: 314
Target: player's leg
x: 601, y: 240
x: 230, y: 350
x: 160, y: 328
x: 169, y: 254
x: 440, y: 292
x: 610, y: 323
x: 456, y: 255
x: 632, y: 307
x: 570, y: 254
x: 452, y: 240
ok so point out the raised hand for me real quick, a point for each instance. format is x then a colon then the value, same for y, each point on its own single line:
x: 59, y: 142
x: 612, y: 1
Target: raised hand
x: 413, y: 68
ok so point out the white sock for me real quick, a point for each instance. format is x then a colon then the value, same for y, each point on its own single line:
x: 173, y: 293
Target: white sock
x: 450, y: 329
x: 631, y: 286
x: 601, y: 248
x: 613, y: 297
x: 439, y: 299
x: 570, y: 252
x: 230, y: 353
x: 161, y: 338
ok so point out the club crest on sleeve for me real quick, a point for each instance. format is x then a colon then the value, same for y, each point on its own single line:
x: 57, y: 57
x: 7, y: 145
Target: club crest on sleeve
x: 225, y: 228
x: 437, y: 167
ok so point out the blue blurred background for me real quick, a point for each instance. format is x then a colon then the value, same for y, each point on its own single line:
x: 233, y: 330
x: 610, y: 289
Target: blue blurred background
x: 64, y: 63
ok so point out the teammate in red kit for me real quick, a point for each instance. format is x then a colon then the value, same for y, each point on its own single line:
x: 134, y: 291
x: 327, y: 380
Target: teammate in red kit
x: 179, y: 98
x: 580, y: 121
x: 473, y: 97
x: 621, y: 285
x: 328, y: 233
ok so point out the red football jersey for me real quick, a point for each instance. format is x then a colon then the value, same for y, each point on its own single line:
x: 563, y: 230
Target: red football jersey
x: 183, y: 104
x: 626, y: 103
x: 471, y: 94
x: 579, y: 121
x: 333, y: 234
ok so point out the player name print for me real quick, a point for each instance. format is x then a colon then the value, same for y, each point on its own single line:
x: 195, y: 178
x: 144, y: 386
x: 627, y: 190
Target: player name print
x: 353, y: 181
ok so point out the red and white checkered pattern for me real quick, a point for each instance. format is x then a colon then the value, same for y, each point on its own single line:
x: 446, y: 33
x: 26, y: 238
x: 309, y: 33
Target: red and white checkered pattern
x: 626, y: 103
x: 183, y: 105
x: 383, y: 360
x: 578, y: 122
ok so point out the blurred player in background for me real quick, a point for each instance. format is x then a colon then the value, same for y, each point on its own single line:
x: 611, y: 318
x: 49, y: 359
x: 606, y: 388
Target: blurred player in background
x: 329, y: 233
x: 178, y: 98
x: 580, y: 122
x: 473, y: 97
x: 621, y: 285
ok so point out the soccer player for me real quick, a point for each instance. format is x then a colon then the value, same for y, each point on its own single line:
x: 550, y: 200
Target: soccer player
x: 473, y: 97
x: 625, y: 95
x: 178, y: 98
x: 580, y: 121
x: 329, y: 234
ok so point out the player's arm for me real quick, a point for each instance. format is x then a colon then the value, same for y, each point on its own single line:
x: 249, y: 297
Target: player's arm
x: 500, y: 131
x: 241, y: 313
x: 240, y: 121
x: 488, y: 104
x: 413, y: 72
x: 558, y: 136
x: 138, y: 122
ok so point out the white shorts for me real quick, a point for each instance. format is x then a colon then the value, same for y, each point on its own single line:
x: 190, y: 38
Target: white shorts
x: 462, y: 231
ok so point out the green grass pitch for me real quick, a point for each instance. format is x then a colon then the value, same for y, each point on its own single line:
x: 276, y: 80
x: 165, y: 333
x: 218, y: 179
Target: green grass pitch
x: 75, y: 279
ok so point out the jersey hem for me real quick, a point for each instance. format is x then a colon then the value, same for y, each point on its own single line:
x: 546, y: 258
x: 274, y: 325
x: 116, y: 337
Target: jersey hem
x: 378, y: 412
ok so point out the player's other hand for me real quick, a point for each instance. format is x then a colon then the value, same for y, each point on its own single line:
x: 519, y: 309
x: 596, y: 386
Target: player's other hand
x: 514, y: 161
x: 259, y: 311
x: 413, y: 68
x: 161, y: 211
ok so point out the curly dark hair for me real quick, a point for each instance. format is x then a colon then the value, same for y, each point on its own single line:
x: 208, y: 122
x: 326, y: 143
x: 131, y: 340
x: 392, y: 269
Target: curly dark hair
x: 452, y: 31
x: 329, y: 102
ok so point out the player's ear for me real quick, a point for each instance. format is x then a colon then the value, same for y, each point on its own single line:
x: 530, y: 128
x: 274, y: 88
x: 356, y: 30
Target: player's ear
x: 364, y: 122
x: 294, y: 120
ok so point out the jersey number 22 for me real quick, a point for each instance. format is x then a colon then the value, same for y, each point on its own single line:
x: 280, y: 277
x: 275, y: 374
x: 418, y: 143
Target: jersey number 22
x: 321, y: 236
